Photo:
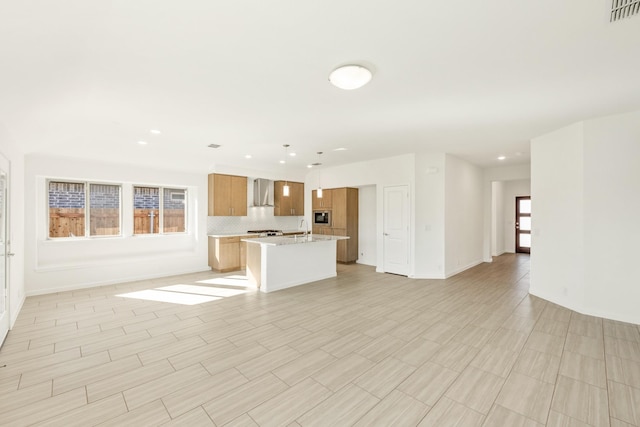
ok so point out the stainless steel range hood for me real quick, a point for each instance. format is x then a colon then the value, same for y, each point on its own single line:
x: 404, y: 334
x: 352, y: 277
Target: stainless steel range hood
x: 262, y: 192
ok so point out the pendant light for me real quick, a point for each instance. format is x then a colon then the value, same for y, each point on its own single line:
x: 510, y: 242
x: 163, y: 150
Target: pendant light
x: 285, y: 189
x: 319, y: 192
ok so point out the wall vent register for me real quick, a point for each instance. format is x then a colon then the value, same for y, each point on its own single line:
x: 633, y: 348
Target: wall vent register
x: 621, y: 9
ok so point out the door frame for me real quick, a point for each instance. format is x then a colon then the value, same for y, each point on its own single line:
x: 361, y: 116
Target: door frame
x: 5, y: 166
x: 520, y: 249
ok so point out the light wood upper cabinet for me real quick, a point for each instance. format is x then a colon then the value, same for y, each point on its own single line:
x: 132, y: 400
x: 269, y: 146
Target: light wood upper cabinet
x: 227, y: 195
x: 321, y: 203
x: 293, y: 205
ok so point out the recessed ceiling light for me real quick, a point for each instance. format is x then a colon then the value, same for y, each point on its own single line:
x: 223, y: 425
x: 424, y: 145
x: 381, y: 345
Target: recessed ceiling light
x: 282, y: 162
x: 502, y: 157
x: 247, y: 156
x: 309, y: 166
x: 349, y: 77
x: 142, y: 142
x: 155, y: 131
x: 292, y: 154
x: 340, y: 149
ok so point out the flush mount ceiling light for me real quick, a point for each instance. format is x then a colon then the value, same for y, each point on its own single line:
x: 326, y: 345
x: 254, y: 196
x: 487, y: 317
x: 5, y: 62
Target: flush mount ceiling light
x: 349, y: 77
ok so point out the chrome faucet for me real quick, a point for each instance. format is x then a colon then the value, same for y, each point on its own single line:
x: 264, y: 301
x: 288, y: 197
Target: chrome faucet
x: 306, y: 229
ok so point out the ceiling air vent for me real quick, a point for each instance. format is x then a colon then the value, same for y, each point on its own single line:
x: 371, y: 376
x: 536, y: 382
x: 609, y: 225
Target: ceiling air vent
x: 218, y: 145
x: 621, y: 9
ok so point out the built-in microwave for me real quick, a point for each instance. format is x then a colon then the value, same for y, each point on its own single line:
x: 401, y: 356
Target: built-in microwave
x: 322, y: 217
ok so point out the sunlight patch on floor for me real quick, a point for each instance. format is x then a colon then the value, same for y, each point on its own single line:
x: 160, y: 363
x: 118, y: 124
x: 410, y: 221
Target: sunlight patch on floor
x: 173, y: 297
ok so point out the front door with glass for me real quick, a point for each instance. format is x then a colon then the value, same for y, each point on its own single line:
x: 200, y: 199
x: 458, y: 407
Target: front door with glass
x: 523, y: 224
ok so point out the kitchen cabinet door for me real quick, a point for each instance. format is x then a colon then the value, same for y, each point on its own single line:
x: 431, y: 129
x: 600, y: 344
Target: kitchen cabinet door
x: 321, y: 203
x: 227, y: 195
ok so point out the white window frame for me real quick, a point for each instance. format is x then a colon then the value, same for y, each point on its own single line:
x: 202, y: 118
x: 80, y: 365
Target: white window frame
x: 161, y: 189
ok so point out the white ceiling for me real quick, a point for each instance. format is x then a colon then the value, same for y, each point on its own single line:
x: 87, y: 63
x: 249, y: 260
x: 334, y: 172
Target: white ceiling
x: 477, y: 79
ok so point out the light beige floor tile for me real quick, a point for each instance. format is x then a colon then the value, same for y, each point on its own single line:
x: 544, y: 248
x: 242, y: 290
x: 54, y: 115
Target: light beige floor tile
x: 343, y: 371
x: 242, y: 421
x: 91, y: 414
x: 624, y: 402
x: 230, y: 358
x: 95, y: 337
x: 586, y: 346
x: 127, y: 380
x: 519, y: 324
x: 552, y: 327
x: 174, y: 326
x: 623, y: 331
x: 255, y: 335
x: 586, y: 328
x: 140, y: 345
x: 290, y: 405
x: 428, y: 383
x: 381, y: 348
x: 409, y: 330
x: 126, y: 320
x: 378, y: 327
x: 267, y: 362
x: 44, y: 409
x: 617, y: 423
x: 191, y: 356
x: 304, y: 366
x: 450, y: 413
x: 475, y: 389
x: 314, y: 341
x: 526, y: 396
x: 342, y: 408
x: 167, y: 351
x: 155, y: 389
x: 495, y: 360
x: 113, y: 342
x: 540, y: 366
x: 9, y: 384
x: 284, y: 338
x: 50, y: 372
x: 94, y: 374
x: 509, y: 339
x: 583, y: 368
x: 397, y: 409
x: 441, y: 332
x: 19, y: 366
x: 581, y: 401
x: 624, y: 371
x: 346, y: 344
x: 503, y: 417
x: 24, y: 396
x: 417, y: 352
x: 456, y: 356
x: 381, y: 379
x: 622, y: 348
x: 60, y: 333
x: 545, y: 343
x: 196, y: 417
x: 556, y: 419
x: 201, y: 391
x: 473, y: 336
x: 242, y: 399
x: 150, y: 414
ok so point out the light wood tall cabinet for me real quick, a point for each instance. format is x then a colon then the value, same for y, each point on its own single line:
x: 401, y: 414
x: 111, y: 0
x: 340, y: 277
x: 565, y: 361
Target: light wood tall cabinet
x: 293, y: 205
x: 324, y: 202
x: 227, y: 195
x: 344, y: 222
x: 224, y: 253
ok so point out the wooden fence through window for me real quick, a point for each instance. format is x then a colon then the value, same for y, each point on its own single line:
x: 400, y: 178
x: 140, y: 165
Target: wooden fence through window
x: 69, y: 222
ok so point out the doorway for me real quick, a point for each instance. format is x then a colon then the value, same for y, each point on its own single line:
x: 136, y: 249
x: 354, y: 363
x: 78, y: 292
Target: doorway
x: 4, y: 249
x: 523, y: 224
x: 396, y: 230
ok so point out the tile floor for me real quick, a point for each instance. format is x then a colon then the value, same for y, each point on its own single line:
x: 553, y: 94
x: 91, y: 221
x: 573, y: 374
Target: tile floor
x: 363, y: 349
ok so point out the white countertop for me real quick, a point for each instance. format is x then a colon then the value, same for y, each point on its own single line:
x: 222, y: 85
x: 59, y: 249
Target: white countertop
x: 293, y: 240
x: 245, y: 234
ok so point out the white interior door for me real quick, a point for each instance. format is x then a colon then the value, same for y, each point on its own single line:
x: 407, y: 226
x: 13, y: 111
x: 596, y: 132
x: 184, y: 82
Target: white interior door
x: 396, y: 230
x: 4, y: 250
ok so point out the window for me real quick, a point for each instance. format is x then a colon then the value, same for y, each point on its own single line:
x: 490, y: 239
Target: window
x: 147, y: 215
x: 78, y: 209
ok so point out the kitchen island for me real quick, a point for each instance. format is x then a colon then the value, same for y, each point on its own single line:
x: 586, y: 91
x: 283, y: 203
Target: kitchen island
x: 280, y: 262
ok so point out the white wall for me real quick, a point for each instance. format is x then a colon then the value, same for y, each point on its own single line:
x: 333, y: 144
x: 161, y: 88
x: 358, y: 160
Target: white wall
x: 511, y: 190
x: 557, y: 179
x: 367, y: 225
x: 612, y: 216
x: 429, y: 216
x: 12, y: 152
x: 379, y: 173
x: 464, y: 219
x: 497, y: 218
x: 56, y: 265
